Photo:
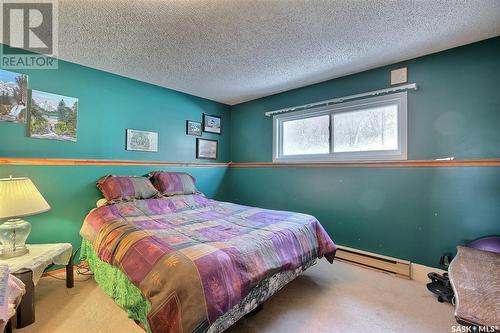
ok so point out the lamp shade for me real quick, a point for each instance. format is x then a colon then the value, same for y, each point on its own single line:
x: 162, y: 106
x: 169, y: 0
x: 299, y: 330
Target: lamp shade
x: 19, y: 197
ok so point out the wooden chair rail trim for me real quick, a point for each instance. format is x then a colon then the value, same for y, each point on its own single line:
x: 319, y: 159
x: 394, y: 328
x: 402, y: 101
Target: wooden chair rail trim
x: 68, y: 161
x: 389, y: 164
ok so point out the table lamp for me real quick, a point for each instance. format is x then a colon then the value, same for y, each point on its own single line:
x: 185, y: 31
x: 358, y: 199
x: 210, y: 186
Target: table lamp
x: 18, y: 198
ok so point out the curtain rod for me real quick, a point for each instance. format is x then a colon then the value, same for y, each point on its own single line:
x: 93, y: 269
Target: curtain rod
x: 410, y: 86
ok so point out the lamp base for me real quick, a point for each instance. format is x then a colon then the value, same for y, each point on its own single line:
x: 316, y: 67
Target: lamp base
x: 19, y: 251
x: 13, y: 235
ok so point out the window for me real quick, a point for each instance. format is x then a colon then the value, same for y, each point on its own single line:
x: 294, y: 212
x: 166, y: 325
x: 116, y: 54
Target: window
x: 369, y: 129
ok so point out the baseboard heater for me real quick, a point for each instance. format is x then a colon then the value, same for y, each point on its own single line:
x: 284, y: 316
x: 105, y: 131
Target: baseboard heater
x: 398, y: 267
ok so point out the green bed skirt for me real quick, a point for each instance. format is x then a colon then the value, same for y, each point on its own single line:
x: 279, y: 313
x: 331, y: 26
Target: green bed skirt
x: 115, y: 283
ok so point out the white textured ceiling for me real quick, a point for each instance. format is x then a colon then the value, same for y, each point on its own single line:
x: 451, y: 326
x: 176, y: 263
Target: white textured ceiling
x: 234, y: 51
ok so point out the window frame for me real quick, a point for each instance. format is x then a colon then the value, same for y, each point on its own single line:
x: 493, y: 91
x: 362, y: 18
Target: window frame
x: 401, y: 99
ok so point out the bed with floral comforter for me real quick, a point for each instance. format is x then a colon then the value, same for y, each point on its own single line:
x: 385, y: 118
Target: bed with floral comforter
x: 194, y: 259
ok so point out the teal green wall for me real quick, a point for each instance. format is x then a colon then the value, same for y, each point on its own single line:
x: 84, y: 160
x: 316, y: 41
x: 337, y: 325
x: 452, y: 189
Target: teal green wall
x: 455, y: 112
x: 411, y: 213
x: 415, y: 213
x: 108, y: 104
x: 71, y: 192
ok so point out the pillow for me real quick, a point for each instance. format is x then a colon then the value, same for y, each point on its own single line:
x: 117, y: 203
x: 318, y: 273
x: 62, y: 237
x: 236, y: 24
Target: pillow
x: 119, y: 188
x: 173, y: 183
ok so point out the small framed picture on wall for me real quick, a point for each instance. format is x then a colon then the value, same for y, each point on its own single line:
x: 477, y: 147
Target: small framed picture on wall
x: 206, y: 149
x: 193, y: 128
x: 13, y: 96
x: 141, y: 140
x: 52, y: 116
x: 212, y: 124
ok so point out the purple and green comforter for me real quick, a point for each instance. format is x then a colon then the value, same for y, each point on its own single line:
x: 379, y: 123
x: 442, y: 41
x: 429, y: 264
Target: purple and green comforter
x: 194, y: 259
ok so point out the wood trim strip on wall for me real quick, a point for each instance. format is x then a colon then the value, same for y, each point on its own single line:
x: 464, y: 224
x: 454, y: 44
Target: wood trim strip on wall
x: 389, y: 164
x: 68, y: 161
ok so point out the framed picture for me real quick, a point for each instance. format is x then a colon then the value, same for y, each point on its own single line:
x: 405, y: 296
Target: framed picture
x: 142, y: 140
x: 206, y: 149
x: 13, y: 96
x: 52, y: 116
x: 212, y: 124
x: 193, y: 128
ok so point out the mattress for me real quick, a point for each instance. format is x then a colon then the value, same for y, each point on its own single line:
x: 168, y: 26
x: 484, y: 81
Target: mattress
x: 194, y: 259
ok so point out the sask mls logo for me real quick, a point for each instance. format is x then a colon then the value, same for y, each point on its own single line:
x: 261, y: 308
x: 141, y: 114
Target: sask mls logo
x: 473, y: 329
x: 29, y: 34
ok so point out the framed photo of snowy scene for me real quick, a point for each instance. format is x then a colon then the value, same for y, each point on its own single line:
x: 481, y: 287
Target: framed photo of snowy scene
x: 13, y: 96
x: 52, y: 116
x: 212, y: 124
x: 206, y: 149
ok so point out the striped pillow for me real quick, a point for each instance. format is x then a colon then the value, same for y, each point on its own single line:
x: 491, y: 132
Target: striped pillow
x: 123, y: 188
x: 173, y: 183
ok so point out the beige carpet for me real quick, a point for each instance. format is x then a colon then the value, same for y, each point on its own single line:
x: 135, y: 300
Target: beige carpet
x: 327, y: 298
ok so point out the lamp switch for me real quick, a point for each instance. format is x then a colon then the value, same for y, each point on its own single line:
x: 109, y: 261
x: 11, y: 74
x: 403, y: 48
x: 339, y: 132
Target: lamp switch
x: 399, y: 76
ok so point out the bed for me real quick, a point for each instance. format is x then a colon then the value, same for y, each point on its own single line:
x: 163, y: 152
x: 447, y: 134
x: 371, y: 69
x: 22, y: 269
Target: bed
x: 186, y: 263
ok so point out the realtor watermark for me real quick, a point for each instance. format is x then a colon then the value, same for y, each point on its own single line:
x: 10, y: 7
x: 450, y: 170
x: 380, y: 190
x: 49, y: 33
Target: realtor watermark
x: 473, y: 329
x: 29, y: 33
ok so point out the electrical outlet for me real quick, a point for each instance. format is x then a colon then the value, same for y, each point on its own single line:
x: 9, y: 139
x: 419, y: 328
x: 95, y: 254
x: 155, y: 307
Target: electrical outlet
x: 399, y: 76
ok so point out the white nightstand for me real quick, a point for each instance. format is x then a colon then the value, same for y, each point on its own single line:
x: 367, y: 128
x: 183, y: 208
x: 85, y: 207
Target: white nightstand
x: 29, y: 269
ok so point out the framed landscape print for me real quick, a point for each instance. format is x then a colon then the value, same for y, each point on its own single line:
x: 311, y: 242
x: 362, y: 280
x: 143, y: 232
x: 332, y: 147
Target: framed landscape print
x: 52, y: 116
x: 193, y: 128
x: 13, y: 96
x: 212, y: 124
x: 206, y: 149
x: 142, y: 141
